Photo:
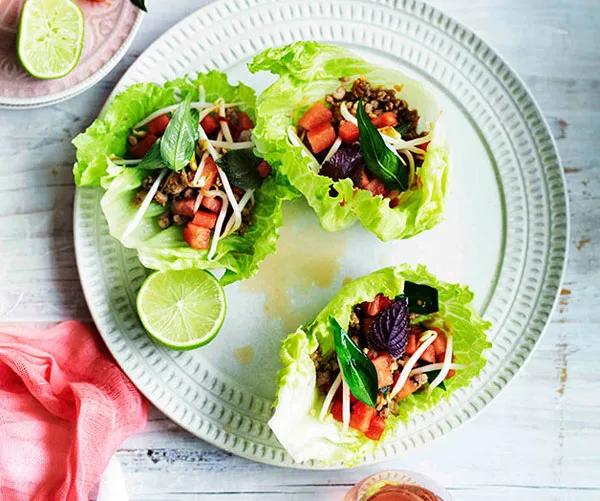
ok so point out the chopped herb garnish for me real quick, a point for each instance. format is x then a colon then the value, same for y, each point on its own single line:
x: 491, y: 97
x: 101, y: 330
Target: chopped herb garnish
x: 357, y: 369
x: 179, y: 140
x: 422, y: 299
x: 241, y: 168
x: 403, y: 129
x: 153, y: 159
x: 431, y: 377
x: 379, y: 159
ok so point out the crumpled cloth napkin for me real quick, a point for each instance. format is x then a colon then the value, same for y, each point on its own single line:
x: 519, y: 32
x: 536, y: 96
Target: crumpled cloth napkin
x: 65, y: 407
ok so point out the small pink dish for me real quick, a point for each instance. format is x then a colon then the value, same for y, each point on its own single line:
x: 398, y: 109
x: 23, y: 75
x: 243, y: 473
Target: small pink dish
x: 110, y: 26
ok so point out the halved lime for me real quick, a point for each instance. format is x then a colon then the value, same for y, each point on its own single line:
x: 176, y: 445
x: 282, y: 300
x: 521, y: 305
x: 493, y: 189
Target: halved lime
x: 50, y: 37
x: 183, y: 309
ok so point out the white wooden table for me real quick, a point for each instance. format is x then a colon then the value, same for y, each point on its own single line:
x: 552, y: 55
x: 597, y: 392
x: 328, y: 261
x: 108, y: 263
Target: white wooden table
x: 540, y: 440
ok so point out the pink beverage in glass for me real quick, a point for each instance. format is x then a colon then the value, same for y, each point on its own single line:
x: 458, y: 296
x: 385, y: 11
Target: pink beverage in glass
x: 398, y: 485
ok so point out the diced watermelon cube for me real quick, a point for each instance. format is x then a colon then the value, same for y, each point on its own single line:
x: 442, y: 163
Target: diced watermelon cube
x: 197, y: 236
x: 339, y: 396
x: 205, y: 219
x: 210, y: 124
x: 233, y: 128
x: 337, y: 410
x: 408, y: 388
x: 244, y: 121
x: 158, y: 125
x: 321, y: 137
x: 376, y: 187
x: 429, y: 354
x: 364, y: 179
x: 380, y: 302
x: 316, y: 115
x: 348, y: 132
x: 140, y: 149
x: 439, y: 344
x: 366, y: 324
x: 387, y: 119
x: 184, y: 207
x: 411, y: 345
x: 213, y: 204
x: 209, y: 173
x: 383, y: 364
x: 361, y: 416
x: 376, y: 428
x: 238, y: 192
x: 264, y: 169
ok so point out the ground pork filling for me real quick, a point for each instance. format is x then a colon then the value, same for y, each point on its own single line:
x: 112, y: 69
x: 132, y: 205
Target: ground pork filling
x: 179, y: 186
x: 377, y: 100
x: 327, y: 368
x: 175, y: 187
x: 380, y: 103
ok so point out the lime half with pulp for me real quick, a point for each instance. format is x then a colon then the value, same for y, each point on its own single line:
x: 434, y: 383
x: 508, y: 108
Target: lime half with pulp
x: 183, y: 309
x: 50, y: 37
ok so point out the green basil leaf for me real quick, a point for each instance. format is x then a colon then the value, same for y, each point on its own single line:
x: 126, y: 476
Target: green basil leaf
x: 402, y: 129
x: 240, y: 166
x: 179, y: 140
x: 431, y: 377
x: 153, y: 159
x: 379, y: 159
x: 422, y: 299
x: 140, y: 3
x: 357, y: 369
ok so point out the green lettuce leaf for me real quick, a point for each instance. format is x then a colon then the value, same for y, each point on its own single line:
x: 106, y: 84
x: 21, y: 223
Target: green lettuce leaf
x: 108, y: 135
x: 295, y: 421
x: 165, y: 249
x: 309, y: 71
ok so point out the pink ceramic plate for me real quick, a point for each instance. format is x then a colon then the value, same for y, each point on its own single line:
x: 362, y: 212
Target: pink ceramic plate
x: 110, y: 26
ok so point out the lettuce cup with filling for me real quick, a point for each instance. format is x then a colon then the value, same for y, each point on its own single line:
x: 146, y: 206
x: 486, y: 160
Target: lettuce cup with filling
x: 183, y: 185
x: 359, y: 141
x: 388, y: 345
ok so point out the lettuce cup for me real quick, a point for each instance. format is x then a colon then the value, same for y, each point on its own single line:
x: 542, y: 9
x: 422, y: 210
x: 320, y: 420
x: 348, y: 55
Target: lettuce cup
x: 359, y: 141
x: 388, y: 345
x: 183, y: 186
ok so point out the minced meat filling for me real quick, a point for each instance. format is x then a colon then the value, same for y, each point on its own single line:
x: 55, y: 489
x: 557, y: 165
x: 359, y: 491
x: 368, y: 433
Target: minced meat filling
x: 376, y: 100
x: 327, y: 368
x: 324, y: 124
x: 169, y: 192
x: 173, y: 187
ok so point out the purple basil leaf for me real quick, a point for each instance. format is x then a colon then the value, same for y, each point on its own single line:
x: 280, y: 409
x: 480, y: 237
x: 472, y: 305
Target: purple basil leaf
x: 389, y: 331
x: 345, y: 163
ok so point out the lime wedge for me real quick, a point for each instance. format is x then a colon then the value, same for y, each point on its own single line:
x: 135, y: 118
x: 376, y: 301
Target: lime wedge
x: 50, y: 37
x: 183, y: 309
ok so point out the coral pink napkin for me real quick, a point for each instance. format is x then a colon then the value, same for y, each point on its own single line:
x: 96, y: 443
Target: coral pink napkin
x: 65, y: 407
